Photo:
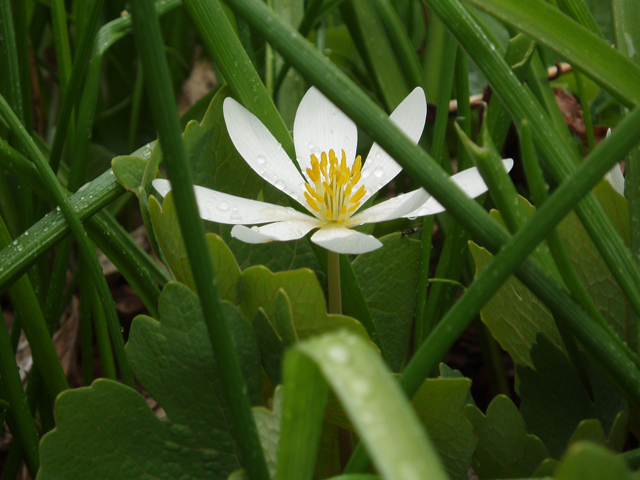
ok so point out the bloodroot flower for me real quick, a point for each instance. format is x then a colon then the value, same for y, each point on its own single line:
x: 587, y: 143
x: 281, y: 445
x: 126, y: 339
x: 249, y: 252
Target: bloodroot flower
x: 334, y: 184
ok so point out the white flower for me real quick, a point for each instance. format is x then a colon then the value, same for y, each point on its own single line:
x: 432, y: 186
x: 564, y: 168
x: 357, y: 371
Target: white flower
x: 334, y: 184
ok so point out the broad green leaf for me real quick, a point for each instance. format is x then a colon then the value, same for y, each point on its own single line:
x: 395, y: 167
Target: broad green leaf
x: 544, y: 393
x: 439, y: 403
x: 108, y: 431
x: 169, y: 236
x: 129, y: 171
x: 373, y: 400
x: 268, y: 424
x: 328, y: 458
x: 448, y: 372
x: 587, y: 461
x: 271, y: 346
x: 514, y: 315
x: 590, y: 266
x: 592, y: 431
x: 505, y: 449
x: 388, y: 278
x: 308, y: 304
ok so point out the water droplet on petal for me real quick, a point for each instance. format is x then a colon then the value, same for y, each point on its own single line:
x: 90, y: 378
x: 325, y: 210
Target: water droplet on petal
x: 366, y: 173
x: 224, y: 206
x: 279, y: 184
x: 205, y: 212
x: 235, y: 215
x: 378, y: 172
x: 260, y: 159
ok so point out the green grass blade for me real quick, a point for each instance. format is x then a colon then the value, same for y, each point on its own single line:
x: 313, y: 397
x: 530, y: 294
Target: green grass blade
x: 578, y: 10
x: 87, y: 250
x: 582, y: 48
x: 223, y: 44
x: 626, y: 18
x: 373, y: 45
x: 22, y: 422
x: 165, y: 114
x: 380, y: 413
x: 560, y: 157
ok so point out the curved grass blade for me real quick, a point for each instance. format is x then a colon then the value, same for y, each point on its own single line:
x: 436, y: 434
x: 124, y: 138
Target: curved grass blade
x: 582, y: 48
x: 372, y: 399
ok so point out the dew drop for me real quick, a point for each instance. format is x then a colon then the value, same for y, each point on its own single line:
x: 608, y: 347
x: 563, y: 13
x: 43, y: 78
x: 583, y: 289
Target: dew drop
x: 235, y: 215
x: 338, y: 354
x: 205, y: 212
x: 20, y: 247
x: 378, y: 172
x: 366, y: 173
x: 361, y: 386
x: 279, y: 184
x: 15, y: 242
x: 260, y: 159
x: 224, y: 206
x: 26, y: 233
x: 412, y: 218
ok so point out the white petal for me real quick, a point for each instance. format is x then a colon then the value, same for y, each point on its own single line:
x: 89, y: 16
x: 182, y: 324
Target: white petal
x: 469, y: 181
x: 389, y: 209
x: 249, y: 235
x: 320, y: 126
x: 224, y: 208
x: 262, y: 151
x: 616, y: 179
x: 280, y: 231
x: 342, y: 240
x: 379, y: 168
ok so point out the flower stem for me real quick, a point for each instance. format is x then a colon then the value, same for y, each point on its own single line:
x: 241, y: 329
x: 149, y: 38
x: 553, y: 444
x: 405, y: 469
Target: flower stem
x: 345, y: 439
x: 335, y: 297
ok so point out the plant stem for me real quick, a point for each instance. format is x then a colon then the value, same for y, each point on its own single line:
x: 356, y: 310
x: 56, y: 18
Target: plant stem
x: 335, y: 297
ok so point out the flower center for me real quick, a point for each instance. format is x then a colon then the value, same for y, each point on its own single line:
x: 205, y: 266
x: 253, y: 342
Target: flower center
x: 330, y: 194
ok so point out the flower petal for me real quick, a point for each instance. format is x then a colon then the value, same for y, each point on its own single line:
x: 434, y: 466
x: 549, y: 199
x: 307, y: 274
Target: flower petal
x: 262, y: 151
x: 616, y: 179
x: 280, y: 231
x: 389, y: 209
x: 379, y: 168
x: 224, y: 208
x: 320, y: 126
x: 342, y: 240
x: 469, y: 181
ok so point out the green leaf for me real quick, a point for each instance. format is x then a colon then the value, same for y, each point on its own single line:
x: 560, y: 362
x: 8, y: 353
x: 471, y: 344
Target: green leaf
x: 543, y: 394
x: 514, y: 315
x: 268, y: 424
x: 169, y: 236
x: 373, y: 400
x: 308, y: 304
x: 129, y: 171
x: 271, y: 346
x: 439, y: 404
x: 388, y: 278
x: 590, y: 265
x: 505, y: 450
x: 107, y: 430
x: 592, y: 431
x: 587, y: 461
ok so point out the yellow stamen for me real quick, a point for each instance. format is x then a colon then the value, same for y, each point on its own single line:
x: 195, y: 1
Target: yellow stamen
x: 330, y: 187
x: 358, y: 195
x: 311, y: 202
